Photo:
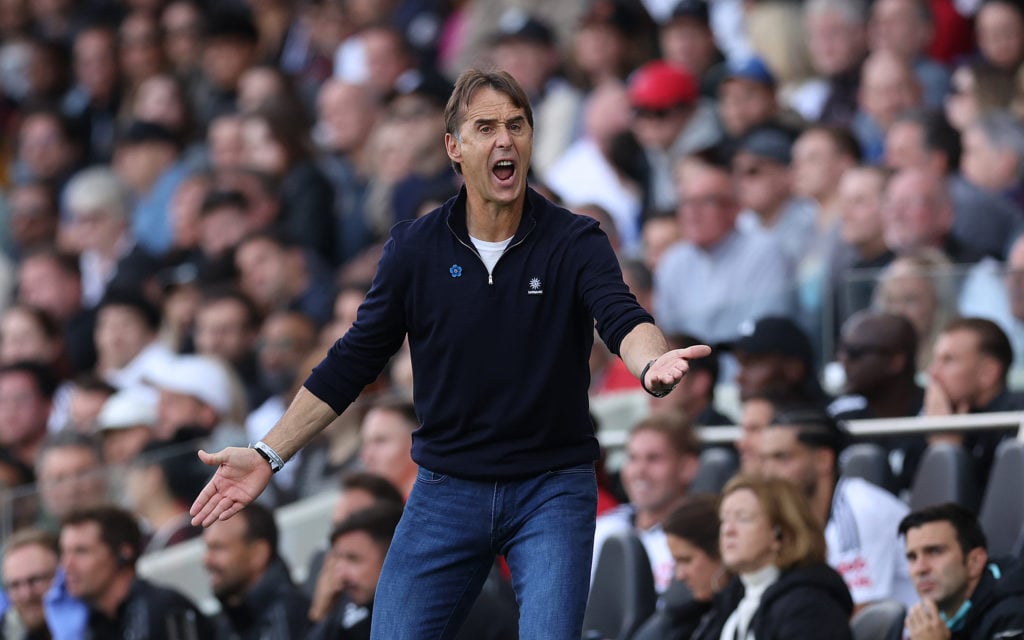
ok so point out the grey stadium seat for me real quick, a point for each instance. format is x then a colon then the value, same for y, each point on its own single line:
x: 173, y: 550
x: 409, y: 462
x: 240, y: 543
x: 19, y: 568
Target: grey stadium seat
x: 945, y: 474
x: 870, y: 462
x: 717, y: 465
x: 1002, y: 511
x: 879, y: 621
x: 622, y: 596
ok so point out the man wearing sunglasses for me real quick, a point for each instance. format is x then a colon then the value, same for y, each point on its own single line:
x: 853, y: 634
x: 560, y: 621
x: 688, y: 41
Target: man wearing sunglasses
x: 669, y: 121
x: 878, y: 353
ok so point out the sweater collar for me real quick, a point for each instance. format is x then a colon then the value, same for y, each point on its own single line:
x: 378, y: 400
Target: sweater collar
x: 456, y: 216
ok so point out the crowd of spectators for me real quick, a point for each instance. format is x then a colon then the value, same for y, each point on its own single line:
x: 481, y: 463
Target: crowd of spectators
x: 194, y: 195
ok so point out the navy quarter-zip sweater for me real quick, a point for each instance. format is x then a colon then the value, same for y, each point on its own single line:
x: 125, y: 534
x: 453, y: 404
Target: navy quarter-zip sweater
x: 500, y: 360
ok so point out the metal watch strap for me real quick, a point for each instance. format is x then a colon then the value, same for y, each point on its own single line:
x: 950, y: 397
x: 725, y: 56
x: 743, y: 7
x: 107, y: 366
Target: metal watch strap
x: 643, y: 382
x: 267, y: 453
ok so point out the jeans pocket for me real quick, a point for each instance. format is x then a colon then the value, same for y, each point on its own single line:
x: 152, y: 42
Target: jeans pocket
x: 430, y: 477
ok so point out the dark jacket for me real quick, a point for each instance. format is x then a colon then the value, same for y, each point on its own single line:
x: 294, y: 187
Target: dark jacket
x: 274, y: 608
x: 997, y: 607
x: 151, y: 613
x: 347, y: 621
x: 805, y: 602
x: 500, y: 359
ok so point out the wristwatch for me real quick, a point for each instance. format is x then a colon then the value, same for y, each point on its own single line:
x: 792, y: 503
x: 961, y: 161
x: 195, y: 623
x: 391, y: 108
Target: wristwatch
x: 267, y: 453
x: 643, y: 382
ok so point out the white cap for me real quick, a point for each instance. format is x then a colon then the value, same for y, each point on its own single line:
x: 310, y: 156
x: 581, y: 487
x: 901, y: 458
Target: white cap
x: 201, y: 377
x: 130, y: 407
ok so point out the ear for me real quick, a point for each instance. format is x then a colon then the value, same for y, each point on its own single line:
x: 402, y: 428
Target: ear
x: 453, y: 148
x: 688, y: 469
x: 976, y: 561
x: 989, y: 373
x: 260, y: 556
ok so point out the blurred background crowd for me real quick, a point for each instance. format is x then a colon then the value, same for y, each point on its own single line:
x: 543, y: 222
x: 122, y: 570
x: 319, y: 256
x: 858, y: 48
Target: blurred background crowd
x: 193, y: 198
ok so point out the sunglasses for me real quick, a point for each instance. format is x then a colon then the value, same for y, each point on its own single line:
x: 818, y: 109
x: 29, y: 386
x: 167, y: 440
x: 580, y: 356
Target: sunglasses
x: 858, y: 351
x: 654, y: 114
x: 749, y: 171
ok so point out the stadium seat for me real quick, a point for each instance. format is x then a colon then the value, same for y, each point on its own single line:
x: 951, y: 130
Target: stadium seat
x: 622, y: 596
x: 717, y: 465
x: 879, y: 621
x: 945, y: 474
x: 1002, y: 511
x: 659, y: 625
x: 870, y: 462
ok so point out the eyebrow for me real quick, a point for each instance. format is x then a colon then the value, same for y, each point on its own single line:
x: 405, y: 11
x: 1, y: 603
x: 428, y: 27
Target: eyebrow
x: 513, y: 120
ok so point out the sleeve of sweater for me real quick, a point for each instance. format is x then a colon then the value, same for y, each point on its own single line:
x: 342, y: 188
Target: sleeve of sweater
x: 603, y: 291
x: 356, y: 359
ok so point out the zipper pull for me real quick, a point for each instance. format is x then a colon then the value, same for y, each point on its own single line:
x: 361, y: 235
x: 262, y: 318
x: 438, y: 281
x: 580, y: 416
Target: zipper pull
x: 490, y: 278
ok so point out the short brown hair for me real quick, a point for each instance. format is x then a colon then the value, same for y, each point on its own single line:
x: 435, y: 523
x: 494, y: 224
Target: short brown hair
x: 677, y: 429
x: 466, y: 86
x: 801, y: 537
x: 32, y: 536
x: 992, y: 341
x: 118, y: 529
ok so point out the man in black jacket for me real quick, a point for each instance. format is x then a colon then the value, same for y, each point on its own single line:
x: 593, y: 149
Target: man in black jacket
x: 963, y: 595
x: 498, y: 291
x: 99, y: 547
x: 257, y: 596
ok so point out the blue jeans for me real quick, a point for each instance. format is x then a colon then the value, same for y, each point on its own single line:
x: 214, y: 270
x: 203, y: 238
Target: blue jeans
x: 450, y: 533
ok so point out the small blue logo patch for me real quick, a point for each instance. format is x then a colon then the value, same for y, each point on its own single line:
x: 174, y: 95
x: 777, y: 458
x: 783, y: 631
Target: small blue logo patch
x: 456, y: 271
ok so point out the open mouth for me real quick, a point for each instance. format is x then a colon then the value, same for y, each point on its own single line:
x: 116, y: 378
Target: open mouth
x: 504, y: 170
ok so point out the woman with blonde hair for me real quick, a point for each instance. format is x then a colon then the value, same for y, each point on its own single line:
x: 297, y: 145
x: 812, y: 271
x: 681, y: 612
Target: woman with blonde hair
x: 920, y: 286
x: 778, y: 36
x: 784, y: 589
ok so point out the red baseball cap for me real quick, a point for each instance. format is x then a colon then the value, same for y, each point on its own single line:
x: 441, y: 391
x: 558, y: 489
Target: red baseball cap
x: 659, y: 85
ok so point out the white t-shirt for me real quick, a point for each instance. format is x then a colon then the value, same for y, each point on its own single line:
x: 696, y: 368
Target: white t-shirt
x: 654, y: 541
x: 864, y: 546
x: 490, y: 252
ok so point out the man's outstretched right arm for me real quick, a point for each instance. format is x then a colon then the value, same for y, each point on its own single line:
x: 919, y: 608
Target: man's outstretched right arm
x: 242, y: 474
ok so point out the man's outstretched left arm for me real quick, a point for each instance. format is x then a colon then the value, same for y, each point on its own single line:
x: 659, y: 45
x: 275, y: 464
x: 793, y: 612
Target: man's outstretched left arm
x: 647, y: 356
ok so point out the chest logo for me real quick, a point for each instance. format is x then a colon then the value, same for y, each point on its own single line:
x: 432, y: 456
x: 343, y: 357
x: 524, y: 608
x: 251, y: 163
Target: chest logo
x: 455, y: 270
x: 536, y: 287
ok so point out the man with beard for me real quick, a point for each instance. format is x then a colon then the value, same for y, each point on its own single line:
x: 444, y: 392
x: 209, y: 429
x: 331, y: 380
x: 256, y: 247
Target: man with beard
x: 802, y: 444
x: 963, y: 595
x: 252, y: 582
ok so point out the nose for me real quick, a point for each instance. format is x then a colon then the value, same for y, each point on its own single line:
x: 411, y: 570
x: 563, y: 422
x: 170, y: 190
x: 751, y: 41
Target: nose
x: 503, y: 138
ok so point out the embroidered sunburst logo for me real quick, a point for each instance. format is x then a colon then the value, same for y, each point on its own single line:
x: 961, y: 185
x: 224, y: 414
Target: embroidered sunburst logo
x: 535, y: 284
x: 535, y: 287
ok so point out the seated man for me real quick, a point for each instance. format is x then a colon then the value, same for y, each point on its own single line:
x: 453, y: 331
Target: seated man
x: 660, y: 465
x: 741, y: 275
x: 878, y: 353
x: 963, y: 596
x: 99, y: 549
x: 802, y: 444
x: 30, y: 560
x: 358, y: 546
x: 775, y: 356
x: 250, y: 579
x: 968, y: 374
